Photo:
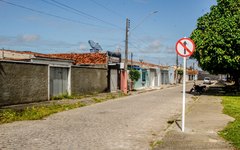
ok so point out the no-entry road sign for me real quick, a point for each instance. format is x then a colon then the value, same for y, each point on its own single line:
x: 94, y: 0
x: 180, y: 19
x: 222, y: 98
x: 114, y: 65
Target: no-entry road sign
x: 185, y: 47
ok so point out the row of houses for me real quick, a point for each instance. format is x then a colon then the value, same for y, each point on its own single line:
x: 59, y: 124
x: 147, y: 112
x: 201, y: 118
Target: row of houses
x: 30, y: 77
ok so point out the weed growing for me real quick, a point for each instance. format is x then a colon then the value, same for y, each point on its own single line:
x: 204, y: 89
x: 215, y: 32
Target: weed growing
x: 98, y: 100
x: 155, y: 144
x: 34, y: 113
x: 39, y: 112
x: 62, y: 96
x: 232, y: 130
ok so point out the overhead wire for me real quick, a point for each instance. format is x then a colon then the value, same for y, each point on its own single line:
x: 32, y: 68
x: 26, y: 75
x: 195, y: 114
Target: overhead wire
x: 106, y: 8
x: 139, y: 41
x: 76, y: 11
x: 72, y: 10
x: 48, y: 14
x: 86, y: 14
x: 53, y: 4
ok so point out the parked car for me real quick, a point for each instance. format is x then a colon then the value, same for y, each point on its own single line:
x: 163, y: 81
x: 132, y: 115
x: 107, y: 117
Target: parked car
x: 206, y: 80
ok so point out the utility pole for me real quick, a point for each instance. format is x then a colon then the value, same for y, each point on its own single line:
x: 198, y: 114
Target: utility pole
x: 126, y: 44
x: 131, y: 60
x: 124, y: 76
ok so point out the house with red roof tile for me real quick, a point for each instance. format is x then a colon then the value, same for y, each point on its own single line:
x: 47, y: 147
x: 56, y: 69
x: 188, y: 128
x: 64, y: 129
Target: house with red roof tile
x: 30, y: 77
x: 27, y: 76
x: 109, y: 60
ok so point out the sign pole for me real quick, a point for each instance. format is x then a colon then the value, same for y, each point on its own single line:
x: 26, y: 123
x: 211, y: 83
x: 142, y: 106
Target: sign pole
x: 184, y: 47
x: 184, y: 93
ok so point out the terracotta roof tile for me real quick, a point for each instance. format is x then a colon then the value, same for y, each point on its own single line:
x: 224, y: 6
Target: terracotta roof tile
x: 84, y: 58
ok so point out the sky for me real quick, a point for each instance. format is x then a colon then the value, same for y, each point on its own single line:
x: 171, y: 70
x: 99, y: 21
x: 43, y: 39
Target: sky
x: 65, y: 26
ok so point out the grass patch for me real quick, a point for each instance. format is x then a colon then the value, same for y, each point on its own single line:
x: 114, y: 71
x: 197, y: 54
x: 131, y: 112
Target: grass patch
x: 73, y: 96
x: 232, y: 131
x: 154, y: 144
x: 67, y: 96
x: 107, y: 97
x: 34, y: 113
x: 62, y: 96
x: 39, y: 112
x: 98, y: 100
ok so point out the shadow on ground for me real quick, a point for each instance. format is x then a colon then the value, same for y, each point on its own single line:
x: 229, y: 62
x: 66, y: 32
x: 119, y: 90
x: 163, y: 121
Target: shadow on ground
x: 219, y: 88
x: 204, y: 118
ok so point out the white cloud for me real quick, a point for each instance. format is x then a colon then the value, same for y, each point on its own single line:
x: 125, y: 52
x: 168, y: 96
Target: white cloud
x: 4, y: 40
x: 154, y: 47
x: 83, y: 46
x: 29, y: 38
x: 34, y: 42
x: 170, y: 49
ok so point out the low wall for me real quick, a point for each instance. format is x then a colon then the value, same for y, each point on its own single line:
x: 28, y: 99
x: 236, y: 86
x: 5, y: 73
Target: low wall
x: 88, y: 80
x: 22, y: 82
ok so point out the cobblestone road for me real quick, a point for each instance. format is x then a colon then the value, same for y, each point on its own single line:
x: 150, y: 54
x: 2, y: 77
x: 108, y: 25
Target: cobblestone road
x: 127, y: 123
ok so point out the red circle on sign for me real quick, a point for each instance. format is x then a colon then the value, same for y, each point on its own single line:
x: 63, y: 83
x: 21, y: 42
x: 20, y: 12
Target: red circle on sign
x: 190, y: 51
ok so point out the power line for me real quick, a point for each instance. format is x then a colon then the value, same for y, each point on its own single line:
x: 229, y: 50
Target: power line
x: 64, y: 8
x: 53, y: 4
x: 135, y: 46
x: 142, y: 21
x: 108, y: 9
x: 86, y: 14
x: 140, y: 41
x: 48, y: 14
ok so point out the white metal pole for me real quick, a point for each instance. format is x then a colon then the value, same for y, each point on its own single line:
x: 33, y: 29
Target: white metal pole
x: 184, y: 93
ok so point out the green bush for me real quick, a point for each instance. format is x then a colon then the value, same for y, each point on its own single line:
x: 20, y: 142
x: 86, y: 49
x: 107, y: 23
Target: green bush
x: 134, y: 75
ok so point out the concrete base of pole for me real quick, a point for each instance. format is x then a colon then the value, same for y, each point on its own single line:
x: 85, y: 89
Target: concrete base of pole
x: 124, y: 81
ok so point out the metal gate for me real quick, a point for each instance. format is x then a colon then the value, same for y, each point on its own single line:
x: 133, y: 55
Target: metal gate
x: 165, y: 77
x: 153, y: 78
x: 113, y: 80
x: 58, y: 81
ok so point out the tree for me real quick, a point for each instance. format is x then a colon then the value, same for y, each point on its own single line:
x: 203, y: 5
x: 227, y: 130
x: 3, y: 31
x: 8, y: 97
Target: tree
x: 134, y: 75
x: 217, y: 39
x: 180, y: 73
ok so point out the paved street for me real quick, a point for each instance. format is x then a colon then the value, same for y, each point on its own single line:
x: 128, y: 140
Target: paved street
x: 127, y: 123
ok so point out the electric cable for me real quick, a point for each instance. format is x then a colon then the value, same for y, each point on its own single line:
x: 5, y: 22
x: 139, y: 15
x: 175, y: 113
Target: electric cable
x: 86, y: 14
x: 106, y: 8
x: 48, y: 14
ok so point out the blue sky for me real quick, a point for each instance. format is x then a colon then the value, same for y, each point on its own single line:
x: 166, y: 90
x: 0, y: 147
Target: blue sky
x: 61, y: 29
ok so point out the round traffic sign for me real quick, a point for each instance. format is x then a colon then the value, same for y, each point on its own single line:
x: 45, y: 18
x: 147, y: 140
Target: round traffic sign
x: 185, y: 47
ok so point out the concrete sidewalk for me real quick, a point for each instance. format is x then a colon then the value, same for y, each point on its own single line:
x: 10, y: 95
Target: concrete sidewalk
x: 204, y: 119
